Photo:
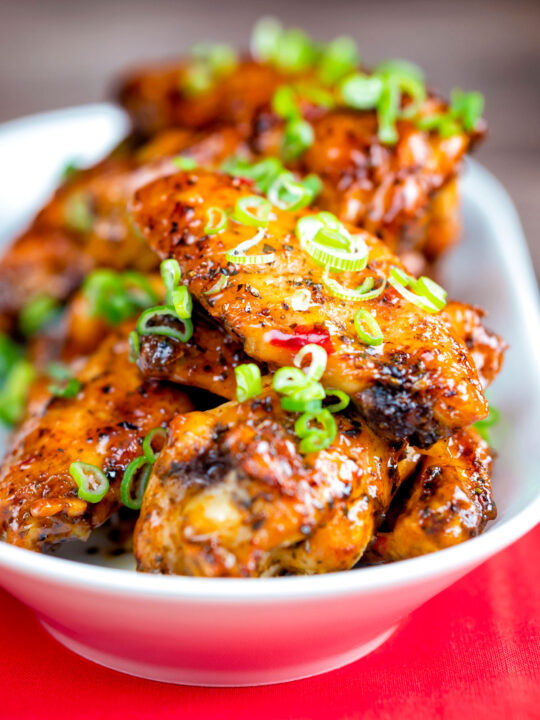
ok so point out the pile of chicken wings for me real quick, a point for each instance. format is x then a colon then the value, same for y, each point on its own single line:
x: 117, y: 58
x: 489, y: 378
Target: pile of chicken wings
x: 230, y: 324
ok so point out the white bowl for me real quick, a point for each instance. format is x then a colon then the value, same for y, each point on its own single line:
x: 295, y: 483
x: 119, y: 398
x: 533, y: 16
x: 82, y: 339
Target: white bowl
x: 244, y: 632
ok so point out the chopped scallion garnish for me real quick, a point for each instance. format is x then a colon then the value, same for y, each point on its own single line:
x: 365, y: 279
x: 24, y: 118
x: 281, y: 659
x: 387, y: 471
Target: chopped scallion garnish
x: 367, y: 328
x: 152, y: 322
x: 319, y: 357
x: 425, y: 293
x: 248, y: 381
x: 216, y: 221
x: 182, y: 162
x: 238, y: 255
x: 252, y: 210
x: 92, y: 483
x: 41, y: 311
x: 314, y: 439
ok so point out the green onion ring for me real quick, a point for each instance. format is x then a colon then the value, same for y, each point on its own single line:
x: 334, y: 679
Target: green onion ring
x: 243, y: 210
x: 368, y: 328
x: 144, y: 328
x: 238, y: 255
x: 220, y: 284
x: 148, y: 450
x: 216, y: 220
x: 343, y: 400
x: 182, y: 302
x: 130, y: 475
x: 319, y: 358
x: 92, y: 483
x: 248, y: 381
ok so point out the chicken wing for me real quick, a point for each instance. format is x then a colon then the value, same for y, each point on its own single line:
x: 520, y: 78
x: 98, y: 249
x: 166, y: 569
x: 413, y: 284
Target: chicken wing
x: 419, y: 385
x: 448, y: 501
x: 406, y: 192
x: 86, y: 224
x: 232, y: 495
x: 104, y: 425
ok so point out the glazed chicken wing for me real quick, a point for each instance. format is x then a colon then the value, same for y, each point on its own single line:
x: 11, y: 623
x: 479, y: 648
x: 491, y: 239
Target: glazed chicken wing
x: 87, y: 224
x: 449, y: 501
x: 232, y: 495
x: 405, y: 192
x: 419, y: 385
x: 103, y: 425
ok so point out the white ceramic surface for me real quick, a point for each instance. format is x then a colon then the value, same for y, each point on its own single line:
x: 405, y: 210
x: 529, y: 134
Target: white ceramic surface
x: 241, y: 632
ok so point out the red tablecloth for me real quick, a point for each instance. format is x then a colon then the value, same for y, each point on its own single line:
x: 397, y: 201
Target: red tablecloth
x: 472, y: 652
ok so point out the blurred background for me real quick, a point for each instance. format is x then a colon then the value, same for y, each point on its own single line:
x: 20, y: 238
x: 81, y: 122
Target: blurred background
x: 55, y: 53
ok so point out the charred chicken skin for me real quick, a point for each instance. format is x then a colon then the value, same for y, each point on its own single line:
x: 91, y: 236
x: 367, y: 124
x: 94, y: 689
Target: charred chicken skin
x: 420, y: 385
x: 449, y: 501
x: 232, y: 495
x: 104, y: 425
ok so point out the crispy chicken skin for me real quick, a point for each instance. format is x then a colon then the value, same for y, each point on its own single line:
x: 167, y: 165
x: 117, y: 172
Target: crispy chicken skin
x: 450, y: 500
x: 103, y: 425
x: 486, y: 347
x: 206, y: 361
x: 405, y: 193
x: 231, y: 495
x: 86, y: 223
x: 420, y: 385
x: 209, y: 357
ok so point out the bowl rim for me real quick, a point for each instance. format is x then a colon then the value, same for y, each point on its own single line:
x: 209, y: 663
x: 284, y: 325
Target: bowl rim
x: 213, y: 591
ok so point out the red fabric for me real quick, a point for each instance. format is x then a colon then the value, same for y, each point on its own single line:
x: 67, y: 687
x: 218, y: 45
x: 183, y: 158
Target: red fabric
x: 472, y: 652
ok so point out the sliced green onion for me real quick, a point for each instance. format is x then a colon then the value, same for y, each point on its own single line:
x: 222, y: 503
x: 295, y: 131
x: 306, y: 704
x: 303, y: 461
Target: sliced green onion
x: 78, y: 213
x: 14, y: 392
x: 297, y: 137
x: 265, y: 39
x: 68, y: 389
x: 130, y: 474
x: 339, y: 58
x: 432, y: 291
x: 409, y: 79
x: 41, y: 311
x: 219, y: 57
x: 484, y: 426
x: 238, y: 255
x: 330, y: 244
x: 362, y: 293
x: 284, y: 102
x: 171, y: 275
x: 427, y: 295
x: 342, y: 403
x: 248, y: 381
x: 313, y: 183
x: 183, y: 162
x: 70, y: 170
x: 443, y: 123
x: 220, y: 284
x: 92, y: 483
x: 289, y: 194
x: 263, y: 173
x: 319, y: 358
x: 315, y: 438
x: 361, y: 91
x: 148, y: 451
x: 10, y: 353
x: 134, y: 346
x: 295, y: 51
x: 319, y: 96
x: 252, y: 210
x: 292, y: 403
x: 117, y: 296
x: 182, y: 302
x: 157, y: 315
x: 368, y: 328
x: 388, y: 112
x: 216, y: 220
x: 197, y: 79
x: 467, y: 107
x: 289, y: 379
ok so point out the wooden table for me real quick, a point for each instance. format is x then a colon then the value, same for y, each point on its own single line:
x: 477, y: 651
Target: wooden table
x: 55, y: 53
